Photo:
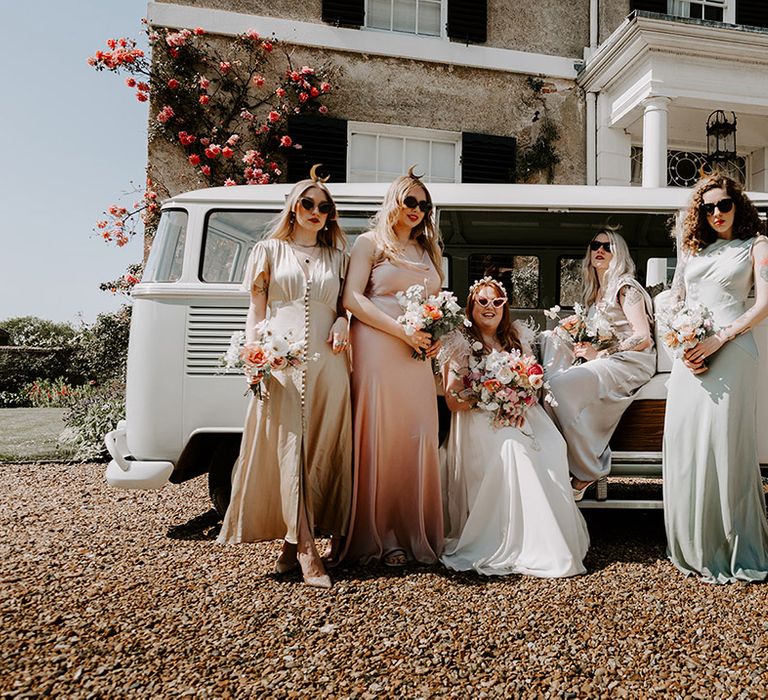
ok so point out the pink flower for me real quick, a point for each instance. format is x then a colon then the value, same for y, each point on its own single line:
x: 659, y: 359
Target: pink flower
x: 227, y: 152
x: 204, y: 99
x: 245, y: 114
x: 294, y: 76
x: 267, y: 46
x: 130, y: 279
x: 111, y: 43
x: 130, y: 82
x: 165, y: 114
x: 274, y: 116
x: 206, y: 170
x: 212, y: 151
x: 92, y: 61
x: 303, y: 97
x: 252, y: 34
x: 306, y: 70
x: 323, y: 109
x: 325, y: 87
x: 314, y: 92
x: 225, y: 66
x: 232, y: 140
x: 141, y: 96
x: 258, y: 80
x: 280, y: 92
x: 205, y: 141
x: 144, y: 87
x: 204, y: 82
x: 273, y: 165
x: 229, y: 182
x: 286, y: 142
x: 194, y: 159
x: 173, y: 83
x: 174, y: 52
x: 198, y: 31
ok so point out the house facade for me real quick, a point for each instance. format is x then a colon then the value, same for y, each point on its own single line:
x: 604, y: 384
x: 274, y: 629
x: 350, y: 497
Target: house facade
x: 577, y: 92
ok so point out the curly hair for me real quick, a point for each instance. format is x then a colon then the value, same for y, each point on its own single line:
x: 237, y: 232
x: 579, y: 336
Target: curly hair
x: 698, y: 234
x: 506, y: 332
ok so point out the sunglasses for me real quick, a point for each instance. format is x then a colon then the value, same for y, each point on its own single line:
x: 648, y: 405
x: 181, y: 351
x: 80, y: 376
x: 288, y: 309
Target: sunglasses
x: 309, y: 204
x: 596, y: 245
x: 497, y: 303
x: 723, y: 206
x: 413, y: 203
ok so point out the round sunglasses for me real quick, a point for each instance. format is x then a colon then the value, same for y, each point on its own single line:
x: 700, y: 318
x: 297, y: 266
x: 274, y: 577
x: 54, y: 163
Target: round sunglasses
x: 309, y: 204
x: 594, y: 246
x: 723, y: 206
x: 497, y: 303
x: 413, y: 203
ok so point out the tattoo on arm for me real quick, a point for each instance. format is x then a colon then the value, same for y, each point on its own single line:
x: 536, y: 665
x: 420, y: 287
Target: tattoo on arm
x: 629, y: 344
x: 259, y: 289
x: 632, y: 296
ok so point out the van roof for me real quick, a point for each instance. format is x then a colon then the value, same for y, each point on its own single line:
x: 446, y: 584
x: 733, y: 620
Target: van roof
x: 487, y: 196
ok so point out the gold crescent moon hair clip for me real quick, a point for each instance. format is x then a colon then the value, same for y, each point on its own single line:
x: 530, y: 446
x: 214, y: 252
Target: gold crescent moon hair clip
x: 315, y: 177
x: 413, y: 175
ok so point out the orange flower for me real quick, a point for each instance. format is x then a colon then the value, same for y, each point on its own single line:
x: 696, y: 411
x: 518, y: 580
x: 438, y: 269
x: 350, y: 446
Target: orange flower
x: 432, y: 312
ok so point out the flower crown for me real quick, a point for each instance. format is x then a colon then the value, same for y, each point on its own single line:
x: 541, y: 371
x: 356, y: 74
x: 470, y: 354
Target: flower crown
x: 487, y: 280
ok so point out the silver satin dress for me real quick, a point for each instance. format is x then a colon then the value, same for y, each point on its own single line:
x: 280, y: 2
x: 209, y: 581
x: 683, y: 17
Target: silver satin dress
x: 591, y: 397
x: 714, y: 508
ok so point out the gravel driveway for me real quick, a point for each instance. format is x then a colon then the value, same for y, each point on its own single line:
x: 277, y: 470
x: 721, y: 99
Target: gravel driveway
x: 124, y: 595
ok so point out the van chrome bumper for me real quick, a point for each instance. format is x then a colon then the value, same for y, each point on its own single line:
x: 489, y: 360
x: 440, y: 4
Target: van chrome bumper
x: 126, y: 473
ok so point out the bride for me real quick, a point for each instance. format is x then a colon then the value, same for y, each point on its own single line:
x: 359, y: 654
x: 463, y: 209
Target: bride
x: 509, y: 502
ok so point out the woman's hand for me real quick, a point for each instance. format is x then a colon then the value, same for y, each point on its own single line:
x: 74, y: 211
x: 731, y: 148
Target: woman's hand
x: 585, y: 351
x: 420, y: 341
x: 339, y: 335
x: 519, y: 422
x: 434, y: 348
x: 695, y: 356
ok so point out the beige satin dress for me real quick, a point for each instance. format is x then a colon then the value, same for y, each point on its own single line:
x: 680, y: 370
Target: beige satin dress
x: 398, y: 499
x: 298, y: 439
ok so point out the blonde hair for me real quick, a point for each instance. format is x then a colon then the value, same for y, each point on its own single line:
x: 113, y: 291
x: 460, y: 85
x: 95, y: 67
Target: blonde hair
x: 281, y: 227
x: 621, y: 266
x: 425, y: 233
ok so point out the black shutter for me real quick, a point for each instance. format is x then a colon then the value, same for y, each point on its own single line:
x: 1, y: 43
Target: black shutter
x: 486, y: 158
x: 468, y: 20
x: 322, y: 140
x: 752, y: 12
x: 649, y: 5
x: 347, y: 12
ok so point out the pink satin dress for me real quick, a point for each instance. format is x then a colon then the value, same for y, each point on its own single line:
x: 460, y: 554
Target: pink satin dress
x: 398, y: 503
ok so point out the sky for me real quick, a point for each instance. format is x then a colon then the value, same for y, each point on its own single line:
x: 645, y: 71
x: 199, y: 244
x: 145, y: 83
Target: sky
x: 73, y: 141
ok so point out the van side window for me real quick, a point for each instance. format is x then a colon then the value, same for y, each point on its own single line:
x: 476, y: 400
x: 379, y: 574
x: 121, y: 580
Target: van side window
x: 568, y: 281
x: 228, y: 239
x: 518, y: 273
x: 167, y: 255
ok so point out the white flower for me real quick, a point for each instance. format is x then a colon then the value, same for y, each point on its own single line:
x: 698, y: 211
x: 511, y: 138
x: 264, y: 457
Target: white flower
x: 504, y: 375
x: 552, y: 313
x: 477, y: 346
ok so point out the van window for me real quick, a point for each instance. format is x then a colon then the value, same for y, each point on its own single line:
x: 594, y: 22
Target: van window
x: 569, y: 281
x: 167, y: 255
x: 518, y: 273
x: 230, y: 236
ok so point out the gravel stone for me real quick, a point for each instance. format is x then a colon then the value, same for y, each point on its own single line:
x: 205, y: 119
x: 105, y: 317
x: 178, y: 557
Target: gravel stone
x: 121, y: 594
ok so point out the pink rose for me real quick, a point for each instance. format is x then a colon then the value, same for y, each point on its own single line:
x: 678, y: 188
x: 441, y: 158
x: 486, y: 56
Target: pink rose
x: 194, y: 159
x: 258, y: 80
x: 227, y: 152
x: 325, y: 87
x: 198, y: 31
x: 173, y: 83
x: 274, y: 116
x: 206, y: 170
x: 280, y: 92
x: 229, y: 182
x: 204, y: 82
x: 323, y: 109
x: 286, y: 142
x: 130, y: 82
x: 204, y: 99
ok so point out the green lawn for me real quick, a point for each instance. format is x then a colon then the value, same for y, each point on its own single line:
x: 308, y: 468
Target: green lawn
x: 31, y: 434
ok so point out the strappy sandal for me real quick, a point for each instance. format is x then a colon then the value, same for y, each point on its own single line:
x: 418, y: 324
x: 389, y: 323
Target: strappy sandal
x: 578, y: 494
x: 396, y: 559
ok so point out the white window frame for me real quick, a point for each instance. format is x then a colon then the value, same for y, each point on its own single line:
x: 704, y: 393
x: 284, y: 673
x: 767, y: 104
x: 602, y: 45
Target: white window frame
x: 679, y: 8
x: 443, y: 24
x: 404, y: 132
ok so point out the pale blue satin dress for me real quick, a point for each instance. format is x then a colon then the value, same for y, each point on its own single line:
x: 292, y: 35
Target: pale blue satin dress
x: 714, y: 508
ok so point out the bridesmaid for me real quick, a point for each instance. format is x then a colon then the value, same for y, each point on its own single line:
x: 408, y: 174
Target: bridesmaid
x: 591, y: 397
x: 293, y: 479
x: 510, y: 508
x: 714, y: 508
x: 397, y: 516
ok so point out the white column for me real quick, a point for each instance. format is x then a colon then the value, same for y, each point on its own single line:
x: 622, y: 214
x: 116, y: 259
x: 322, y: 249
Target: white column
x: 655, y: 141
x: 614, y: 146
x: 591, y: 138
x: 759, y: 175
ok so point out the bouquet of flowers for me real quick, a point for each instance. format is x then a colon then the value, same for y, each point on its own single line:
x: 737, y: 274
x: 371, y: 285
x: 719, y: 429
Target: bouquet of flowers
x: 269, y: 353
x: 683, y: 326
x: 505, y: 384
x: 437, y: 314
x: 581, y: 328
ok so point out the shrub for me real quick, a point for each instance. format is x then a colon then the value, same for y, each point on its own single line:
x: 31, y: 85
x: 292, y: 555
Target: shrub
x: 45, y: 393
x: 31, y: 331
x: 92, y: 414
x: 102, y: 349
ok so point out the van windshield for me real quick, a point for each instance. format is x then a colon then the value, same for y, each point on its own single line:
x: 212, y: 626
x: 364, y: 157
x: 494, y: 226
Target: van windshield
x: 230, y: 236
x: 167, y: 254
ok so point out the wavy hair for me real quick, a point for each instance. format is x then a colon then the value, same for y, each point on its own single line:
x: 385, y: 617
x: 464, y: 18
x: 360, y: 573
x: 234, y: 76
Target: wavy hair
x: 620, y: 266
x: 281, y: 227
x: 506, y: 332
x: 698, y: 234
x: 425, y: 233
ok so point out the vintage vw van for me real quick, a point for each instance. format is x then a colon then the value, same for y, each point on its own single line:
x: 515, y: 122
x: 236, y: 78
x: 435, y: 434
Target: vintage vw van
x: 184, y: 416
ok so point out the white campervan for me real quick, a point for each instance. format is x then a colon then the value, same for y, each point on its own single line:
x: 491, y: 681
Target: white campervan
x: 184, y: 416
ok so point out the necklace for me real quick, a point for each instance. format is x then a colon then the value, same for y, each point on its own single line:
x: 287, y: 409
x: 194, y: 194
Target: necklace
x: 310, y: 253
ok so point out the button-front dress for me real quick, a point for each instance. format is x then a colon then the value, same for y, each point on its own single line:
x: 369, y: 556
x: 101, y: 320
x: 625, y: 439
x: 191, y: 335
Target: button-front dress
x: 714, y: 508
x: 297, y: 439
x: 591, y: 397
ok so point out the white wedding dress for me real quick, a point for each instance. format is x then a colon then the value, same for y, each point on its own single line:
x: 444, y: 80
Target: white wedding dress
x: 508, y: 500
